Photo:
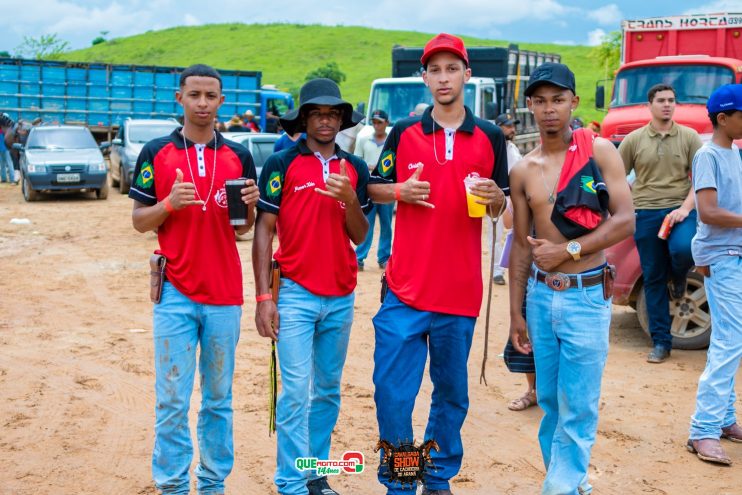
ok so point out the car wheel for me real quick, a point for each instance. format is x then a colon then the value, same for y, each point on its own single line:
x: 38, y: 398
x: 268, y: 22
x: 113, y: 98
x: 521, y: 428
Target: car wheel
x: 691, y: 318
x: 123, y: 182
x: 102, y: 193
x: 29, y: 194
x: 114, y: 181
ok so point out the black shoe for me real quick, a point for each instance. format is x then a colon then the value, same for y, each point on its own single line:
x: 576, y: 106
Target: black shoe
x: 677, y: 288
x: 360, y: 267
x: 320, y: 487
x: 658, y: 355
x: 382, y: 265
x: 499, y: 279
x: 436, y: 492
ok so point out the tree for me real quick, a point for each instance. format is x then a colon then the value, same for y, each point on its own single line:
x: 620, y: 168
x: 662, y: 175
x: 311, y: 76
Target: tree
x: 608, y: 53
x: 44, y: 46
x: 330, y: 70
x: 4, y: 54
x: 100, y: 39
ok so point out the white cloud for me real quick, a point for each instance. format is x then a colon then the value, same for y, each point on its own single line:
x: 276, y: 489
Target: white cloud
x: 609, y: 15
x: 595, y: 37
x: 716, y: 7
x: 191, y: 20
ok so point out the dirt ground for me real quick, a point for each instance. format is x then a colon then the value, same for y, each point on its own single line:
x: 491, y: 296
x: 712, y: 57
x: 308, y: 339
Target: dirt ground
x: 76, y: 375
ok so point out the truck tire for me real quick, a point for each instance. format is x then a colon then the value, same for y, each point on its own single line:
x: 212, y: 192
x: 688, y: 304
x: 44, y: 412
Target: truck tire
x: 29, y: 194
x: 114, y: 182
x: 102, y: 193
x: 123, y: 182
x: 691, y: 318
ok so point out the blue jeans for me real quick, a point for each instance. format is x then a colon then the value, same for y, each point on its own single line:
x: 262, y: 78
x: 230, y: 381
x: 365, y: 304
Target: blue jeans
x: 662, y: 260
x: 7, y: 172
x: 385, y: 212
x: 180, y: 326
x: 403, y: 337
x: 312, y: 345
x: 716, y: 397
x: 569, y: 333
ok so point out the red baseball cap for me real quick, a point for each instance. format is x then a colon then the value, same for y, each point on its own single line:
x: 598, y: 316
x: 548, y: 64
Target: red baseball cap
x: 445, y: 43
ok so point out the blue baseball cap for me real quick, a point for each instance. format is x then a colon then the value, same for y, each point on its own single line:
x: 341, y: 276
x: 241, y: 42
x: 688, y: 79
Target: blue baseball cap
x: 727, y: 97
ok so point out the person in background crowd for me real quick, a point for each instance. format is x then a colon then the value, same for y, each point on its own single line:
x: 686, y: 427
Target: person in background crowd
x: 661, y: 154
x: 369, y: 150
x: 249, y: 122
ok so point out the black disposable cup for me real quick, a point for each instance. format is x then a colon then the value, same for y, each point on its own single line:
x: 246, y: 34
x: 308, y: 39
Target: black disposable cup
x: 235, y: 206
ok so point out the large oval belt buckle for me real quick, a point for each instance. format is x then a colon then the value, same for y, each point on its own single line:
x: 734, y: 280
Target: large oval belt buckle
x: 557, y: 281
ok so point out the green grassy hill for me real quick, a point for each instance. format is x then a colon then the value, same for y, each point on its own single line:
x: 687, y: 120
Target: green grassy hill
x: 285, y: 53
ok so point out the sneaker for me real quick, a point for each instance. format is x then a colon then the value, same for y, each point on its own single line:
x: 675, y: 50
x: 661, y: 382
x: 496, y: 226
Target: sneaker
x: 360, y: 266
x: 499, y: 279
x: 658, y: 355
x: 382, y: 265
x: 320, y: 487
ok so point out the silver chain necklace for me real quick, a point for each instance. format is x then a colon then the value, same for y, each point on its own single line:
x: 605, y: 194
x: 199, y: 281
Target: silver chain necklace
x: 551, y: 192
x: 213, y: 171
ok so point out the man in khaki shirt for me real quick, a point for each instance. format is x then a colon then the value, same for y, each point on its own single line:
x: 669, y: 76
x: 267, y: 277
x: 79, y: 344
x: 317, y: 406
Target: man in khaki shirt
x: 661, y: 153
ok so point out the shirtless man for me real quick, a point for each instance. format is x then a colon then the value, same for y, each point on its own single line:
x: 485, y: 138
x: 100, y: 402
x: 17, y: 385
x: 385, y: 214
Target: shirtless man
x: 562, y: 270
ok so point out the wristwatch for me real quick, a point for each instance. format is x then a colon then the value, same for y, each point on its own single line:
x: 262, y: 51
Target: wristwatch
x: 574, y: 248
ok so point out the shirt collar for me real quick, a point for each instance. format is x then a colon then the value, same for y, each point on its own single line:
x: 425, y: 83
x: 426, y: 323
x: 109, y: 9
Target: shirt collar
x: 177, y: 138
x: 429, y: 125
x: 304, y: 149
x: 654, y: 132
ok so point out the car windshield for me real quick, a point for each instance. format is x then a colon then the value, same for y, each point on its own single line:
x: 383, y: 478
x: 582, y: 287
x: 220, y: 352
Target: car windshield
x: 398, y: 100
x: 261, y: 150
x: 692, y: 83
x: 65, y: 139
x: 141, y: 134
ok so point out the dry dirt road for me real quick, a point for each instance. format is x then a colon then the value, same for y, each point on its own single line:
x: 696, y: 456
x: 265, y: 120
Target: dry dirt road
x: 76, y: 379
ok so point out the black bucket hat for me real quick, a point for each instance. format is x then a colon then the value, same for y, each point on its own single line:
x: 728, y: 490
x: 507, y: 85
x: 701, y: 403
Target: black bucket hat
x: 320, y: 91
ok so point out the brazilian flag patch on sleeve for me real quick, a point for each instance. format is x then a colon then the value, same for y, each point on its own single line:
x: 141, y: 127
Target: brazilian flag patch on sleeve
x: 386, y: 163
x: 273, y: 189
x: 146, y: 175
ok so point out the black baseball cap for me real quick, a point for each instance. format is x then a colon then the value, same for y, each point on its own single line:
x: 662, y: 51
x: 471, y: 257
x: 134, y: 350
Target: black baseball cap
x: 506, y: 119
x: 551, y: 73
x: 379, y: 115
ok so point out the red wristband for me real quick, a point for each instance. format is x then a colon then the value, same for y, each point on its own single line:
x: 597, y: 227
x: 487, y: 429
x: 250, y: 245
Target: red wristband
x: 168, y: 206
x: 398, y: 192
x: 263, y: 297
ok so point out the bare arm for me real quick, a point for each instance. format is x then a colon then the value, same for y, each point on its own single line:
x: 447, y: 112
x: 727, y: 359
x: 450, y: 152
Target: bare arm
x: 182, y: 195
x: 520, y: 258
x: 711, y: 214
x: 266, y: 312
x: 413, y: 191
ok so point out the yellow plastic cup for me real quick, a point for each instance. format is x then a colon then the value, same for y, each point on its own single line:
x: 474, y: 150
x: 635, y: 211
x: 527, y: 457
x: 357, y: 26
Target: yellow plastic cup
x: 476, y: 210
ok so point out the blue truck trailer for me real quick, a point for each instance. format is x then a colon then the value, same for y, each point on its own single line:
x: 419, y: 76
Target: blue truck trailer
x: 100, y: 96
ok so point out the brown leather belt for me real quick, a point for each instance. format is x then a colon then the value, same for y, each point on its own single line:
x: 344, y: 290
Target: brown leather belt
x: 561, y: 281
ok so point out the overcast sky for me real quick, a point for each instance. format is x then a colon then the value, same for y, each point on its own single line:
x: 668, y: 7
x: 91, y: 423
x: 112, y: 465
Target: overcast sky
x: 560, y: 21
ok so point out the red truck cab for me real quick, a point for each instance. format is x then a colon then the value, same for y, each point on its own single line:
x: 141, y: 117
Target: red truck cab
x: 694, y: 53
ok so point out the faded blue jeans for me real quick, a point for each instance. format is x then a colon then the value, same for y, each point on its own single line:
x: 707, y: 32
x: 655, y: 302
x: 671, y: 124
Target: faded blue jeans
x: 404, y: 336
x: 312, y: 345
x: 7, y: 172
x: 385, y: 212
x: 569, y: 333
x: 716, y: 397
x: 180, y: 326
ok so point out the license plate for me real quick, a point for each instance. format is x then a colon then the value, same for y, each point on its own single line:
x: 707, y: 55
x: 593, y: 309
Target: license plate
x: 68, y: 177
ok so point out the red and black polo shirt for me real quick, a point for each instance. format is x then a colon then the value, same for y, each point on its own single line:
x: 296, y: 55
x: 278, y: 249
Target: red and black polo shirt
x: 202, y: 258
x: 314, y: 248
x: 436, y: 262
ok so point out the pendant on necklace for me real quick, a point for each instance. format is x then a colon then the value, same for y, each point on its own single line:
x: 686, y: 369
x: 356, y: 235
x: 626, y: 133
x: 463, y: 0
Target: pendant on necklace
x: 551, y: 199
x: 203, y: 208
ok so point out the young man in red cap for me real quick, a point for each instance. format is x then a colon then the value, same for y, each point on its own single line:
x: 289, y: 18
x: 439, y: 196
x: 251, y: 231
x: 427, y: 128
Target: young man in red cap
x: 434, y: 274
x: 565, y: 189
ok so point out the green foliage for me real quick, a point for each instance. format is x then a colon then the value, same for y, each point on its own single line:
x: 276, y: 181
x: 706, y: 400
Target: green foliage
x: 608, y: 53
x: 284, y: 52
x: 4, y: 54
x: 330, y: 71
x: 45, y: 46
x: 98, y: 40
